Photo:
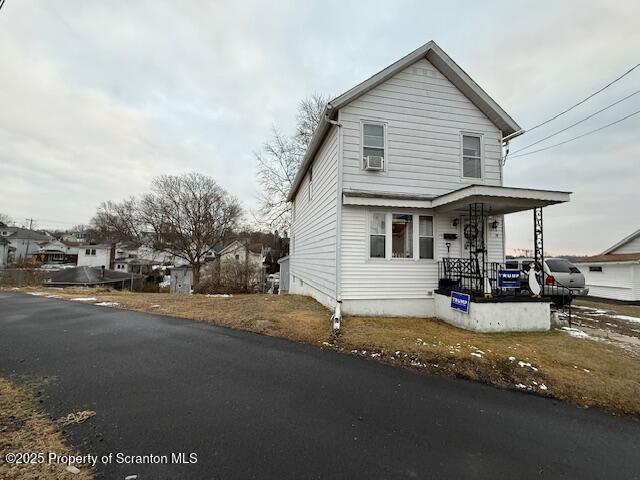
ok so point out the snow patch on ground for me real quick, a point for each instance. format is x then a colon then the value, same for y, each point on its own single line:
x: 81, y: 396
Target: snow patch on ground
x: 626, y: 317
x: 476, y: 354
x: 574, y: 332
x: 527, y: 364
x: 107, y: 304
x: 37, y: 294
x: 84, y: 299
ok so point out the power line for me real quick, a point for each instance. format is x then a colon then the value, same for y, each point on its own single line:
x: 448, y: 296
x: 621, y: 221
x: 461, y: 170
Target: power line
x: 579, y: 136
x: 578, y: 122
x: 582, y: 101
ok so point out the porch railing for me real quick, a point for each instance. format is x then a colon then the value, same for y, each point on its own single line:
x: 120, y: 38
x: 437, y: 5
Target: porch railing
x: 468, y: 275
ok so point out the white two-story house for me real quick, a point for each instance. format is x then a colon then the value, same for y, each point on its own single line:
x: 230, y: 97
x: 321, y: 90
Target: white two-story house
x: 404, y: 170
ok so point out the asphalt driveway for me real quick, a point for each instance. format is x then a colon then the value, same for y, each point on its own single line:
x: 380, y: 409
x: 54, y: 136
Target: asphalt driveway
x: 251, y: 406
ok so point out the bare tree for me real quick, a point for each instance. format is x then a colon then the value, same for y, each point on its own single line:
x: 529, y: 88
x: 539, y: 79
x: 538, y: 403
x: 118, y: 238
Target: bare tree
x: 4, y: 219
x: 184, y: 215
x: 280, y: 159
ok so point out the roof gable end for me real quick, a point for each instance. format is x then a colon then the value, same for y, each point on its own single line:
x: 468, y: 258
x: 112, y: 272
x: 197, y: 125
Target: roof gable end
x: 444, y: 64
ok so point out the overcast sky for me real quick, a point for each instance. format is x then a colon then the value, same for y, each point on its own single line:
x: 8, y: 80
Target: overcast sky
x: 98, y: 97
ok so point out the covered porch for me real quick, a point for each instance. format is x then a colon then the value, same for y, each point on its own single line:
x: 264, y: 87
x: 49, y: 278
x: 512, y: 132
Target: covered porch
x: 476, y: 207
x: 499, y: 295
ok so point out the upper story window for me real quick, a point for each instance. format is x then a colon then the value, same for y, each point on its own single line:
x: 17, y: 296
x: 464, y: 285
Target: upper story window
x: 402, y: 236
x: 377, y: 235
x: 373, y: 141
x: 471, y: 156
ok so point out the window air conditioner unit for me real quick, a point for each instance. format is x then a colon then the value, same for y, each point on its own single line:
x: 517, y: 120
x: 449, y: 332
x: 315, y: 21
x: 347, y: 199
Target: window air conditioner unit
x: 373, y: 162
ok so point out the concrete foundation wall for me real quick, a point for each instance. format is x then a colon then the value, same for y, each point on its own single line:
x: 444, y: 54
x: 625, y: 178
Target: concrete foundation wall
x: 297, y: 286
x: 496, y: 317
x: 397, y: 307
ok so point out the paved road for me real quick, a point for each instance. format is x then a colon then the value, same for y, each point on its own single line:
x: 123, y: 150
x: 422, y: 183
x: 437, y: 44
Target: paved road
x: 251, y: 406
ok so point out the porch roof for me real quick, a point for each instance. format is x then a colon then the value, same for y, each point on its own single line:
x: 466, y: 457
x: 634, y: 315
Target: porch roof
x: 497, y: 200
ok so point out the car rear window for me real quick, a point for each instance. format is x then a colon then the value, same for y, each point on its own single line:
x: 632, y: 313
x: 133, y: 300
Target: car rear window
x: 560, y: 266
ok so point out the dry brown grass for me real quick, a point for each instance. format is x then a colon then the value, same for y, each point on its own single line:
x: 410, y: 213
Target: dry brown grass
x: 583, y: 372
x: 24, y: 429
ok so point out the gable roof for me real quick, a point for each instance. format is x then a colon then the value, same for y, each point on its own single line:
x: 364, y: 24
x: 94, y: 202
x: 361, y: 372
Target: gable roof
x: 610, y: 258
x: 26, y: 234
x: 626, y: 239
x: 445, y: 65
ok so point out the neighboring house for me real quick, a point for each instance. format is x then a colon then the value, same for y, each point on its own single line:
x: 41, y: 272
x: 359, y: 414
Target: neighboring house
x: 94, y: 255
x: 615, y: 273
x: 403, y: 171
x: 5, y: 250
x: 25, y: 242
x: 242, y: 252
x: 135, y: 265
x: 56, y: 251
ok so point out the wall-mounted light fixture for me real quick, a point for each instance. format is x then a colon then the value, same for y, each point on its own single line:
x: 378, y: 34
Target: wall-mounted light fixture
x: 455, y: 222
x: 494, y: 225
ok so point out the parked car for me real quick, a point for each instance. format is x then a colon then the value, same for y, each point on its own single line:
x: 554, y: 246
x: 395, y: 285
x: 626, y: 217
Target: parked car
x: 563, y: 280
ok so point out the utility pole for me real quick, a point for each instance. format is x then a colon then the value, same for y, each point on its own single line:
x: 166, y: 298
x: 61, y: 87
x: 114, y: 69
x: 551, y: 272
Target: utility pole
x: 26, y: 253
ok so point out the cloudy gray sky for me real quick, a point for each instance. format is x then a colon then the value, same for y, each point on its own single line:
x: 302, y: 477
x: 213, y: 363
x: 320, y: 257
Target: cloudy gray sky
x: 98, y: 97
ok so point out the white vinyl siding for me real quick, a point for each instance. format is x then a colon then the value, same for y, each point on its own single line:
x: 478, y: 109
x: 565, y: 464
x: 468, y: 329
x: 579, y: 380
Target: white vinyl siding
x: 376, y: 278
x: 425, y: 116
x: 313, y: 259
x: 617, y: 281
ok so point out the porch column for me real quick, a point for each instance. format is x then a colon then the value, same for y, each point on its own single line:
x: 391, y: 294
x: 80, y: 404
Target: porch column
x: 538, y: 242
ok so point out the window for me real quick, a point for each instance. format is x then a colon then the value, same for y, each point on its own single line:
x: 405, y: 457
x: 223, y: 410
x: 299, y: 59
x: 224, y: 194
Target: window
x: 372, y: 140
x: 377, y: 235
x: 471, y: 156
x: 310, y: 182
x: 87, y: 251
x: 93, y: 251
x: 593, y: 268
x: 402, y: 236
x: 425, y: 236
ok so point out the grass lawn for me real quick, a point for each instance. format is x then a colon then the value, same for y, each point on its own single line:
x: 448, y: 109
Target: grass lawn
x: 590, y: 371
x: 24, y: 429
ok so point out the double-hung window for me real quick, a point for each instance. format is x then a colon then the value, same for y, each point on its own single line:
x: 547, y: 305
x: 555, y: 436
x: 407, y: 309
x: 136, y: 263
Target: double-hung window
x: 377, y: 235
x: 471, y: 156
x: 425, y: 236
x: 372, y: 141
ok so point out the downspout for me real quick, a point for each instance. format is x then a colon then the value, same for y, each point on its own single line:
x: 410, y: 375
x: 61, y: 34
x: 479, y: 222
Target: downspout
x: 337, y: 315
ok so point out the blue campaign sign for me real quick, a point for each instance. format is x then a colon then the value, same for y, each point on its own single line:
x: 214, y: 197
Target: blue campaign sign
x: 509, y: 278
x: 460, y: 301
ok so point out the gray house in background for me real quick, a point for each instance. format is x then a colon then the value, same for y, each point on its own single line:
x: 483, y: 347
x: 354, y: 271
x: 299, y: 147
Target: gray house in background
x: 25, y: 242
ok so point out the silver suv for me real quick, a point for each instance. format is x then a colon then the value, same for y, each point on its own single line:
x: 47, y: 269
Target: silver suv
x: 563, y: 279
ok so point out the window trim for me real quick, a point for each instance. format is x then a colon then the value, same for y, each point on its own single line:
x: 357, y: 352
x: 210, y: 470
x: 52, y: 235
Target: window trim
x: 432, y: 236
x: 370, y: 214
x: 389, y: 236
x: 480, y: 136
x: 363, y: 122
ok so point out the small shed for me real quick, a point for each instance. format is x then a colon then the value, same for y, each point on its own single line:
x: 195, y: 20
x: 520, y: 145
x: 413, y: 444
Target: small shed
x: 181, y: 280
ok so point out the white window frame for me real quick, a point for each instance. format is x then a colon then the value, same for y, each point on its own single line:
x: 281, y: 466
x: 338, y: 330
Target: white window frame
x: 385, y: 147
x: 368, y: 236
x: 480, y: 136
x: 389, y: 236
x: 432, y: 236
